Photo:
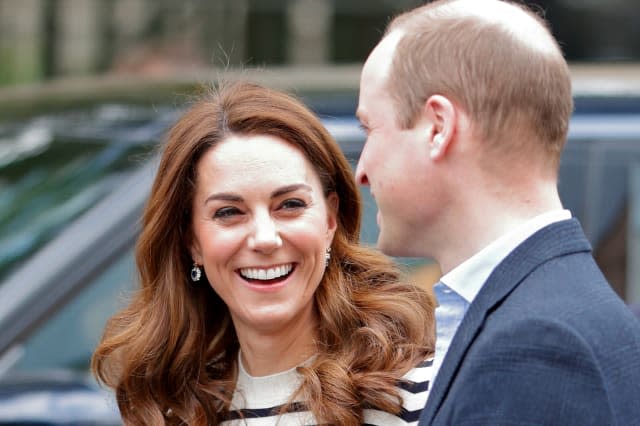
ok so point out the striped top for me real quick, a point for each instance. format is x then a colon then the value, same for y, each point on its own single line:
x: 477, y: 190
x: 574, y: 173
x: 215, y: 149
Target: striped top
x: 257, y: 400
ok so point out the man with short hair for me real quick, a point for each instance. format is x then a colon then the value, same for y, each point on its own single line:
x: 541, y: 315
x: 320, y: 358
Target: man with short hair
x: 466, y: 105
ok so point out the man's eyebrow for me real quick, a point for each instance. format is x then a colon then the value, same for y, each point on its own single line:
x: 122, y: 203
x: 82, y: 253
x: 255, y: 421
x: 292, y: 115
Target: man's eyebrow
x: 290, y: 188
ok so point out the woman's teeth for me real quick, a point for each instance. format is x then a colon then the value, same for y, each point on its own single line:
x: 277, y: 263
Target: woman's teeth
x: 266, y: 274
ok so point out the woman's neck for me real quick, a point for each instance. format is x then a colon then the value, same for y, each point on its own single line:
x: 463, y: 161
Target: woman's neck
x: 268, y: 352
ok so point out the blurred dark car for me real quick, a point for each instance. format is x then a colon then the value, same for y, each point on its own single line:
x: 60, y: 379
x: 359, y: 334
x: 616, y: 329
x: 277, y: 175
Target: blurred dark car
x: 57, y: 399
x: 72, y: 187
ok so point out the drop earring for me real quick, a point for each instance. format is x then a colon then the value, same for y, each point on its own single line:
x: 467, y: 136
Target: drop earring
x: 327, y: 257
x: 196, y: 273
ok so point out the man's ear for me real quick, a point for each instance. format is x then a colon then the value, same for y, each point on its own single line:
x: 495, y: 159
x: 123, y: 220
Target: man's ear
x: 441, y: 112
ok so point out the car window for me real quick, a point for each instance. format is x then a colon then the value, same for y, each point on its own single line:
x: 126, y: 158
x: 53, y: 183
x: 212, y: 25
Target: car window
x: 67, y: 340
x: 55, y: 167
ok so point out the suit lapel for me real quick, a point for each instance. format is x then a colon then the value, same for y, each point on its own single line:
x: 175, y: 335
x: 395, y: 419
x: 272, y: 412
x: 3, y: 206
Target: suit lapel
x: 555, y: 240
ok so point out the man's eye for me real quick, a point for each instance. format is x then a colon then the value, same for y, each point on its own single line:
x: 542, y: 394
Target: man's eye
x: 226, y: 212
x: 293, y: 203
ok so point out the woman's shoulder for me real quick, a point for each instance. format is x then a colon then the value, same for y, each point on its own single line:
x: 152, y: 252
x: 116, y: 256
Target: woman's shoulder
x: 421, y: 373
x: 413, y: 388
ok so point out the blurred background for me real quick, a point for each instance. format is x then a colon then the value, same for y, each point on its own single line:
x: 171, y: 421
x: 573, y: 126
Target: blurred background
x: 88, y: 89
x: 48, y: 39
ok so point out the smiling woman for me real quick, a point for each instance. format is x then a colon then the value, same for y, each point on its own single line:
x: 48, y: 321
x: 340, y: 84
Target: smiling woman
x: 261, y: 229
x: 256, y: 300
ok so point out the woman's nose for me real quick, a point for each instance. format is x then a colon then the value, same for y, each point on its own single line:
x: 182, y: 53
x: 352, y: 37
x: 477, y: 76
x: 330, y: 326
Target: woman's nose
x: 265, y: 237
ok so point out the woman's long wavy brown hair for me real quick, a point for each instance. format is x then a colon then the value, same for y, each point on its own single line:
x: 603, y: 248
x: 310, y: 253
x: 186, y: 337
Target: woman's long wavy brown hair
x: 171, y: 354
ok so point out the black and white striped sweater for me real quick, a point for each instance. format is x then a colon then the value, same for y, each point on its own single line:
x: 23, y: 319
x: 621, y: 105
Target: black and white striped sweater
x: 257, y: 400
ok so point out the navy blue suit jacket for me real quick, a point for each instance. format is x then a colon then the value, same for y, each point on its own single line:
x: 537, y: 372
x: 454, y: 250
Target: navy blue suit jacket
x: 545, y: 342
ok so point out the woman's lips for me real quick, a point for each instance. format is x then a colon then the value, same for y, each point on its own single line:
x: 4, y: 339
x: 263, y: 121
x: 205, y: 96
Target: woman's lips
x: 268, y: 276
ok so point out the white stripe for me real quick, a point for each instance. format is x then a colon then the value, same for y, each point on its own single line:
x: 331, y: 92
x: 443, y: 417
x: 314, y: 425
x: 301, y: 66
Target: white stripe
x: 421, y: 374
x: 287, y: 419
x: 381, y: 418
x: 413, y: 402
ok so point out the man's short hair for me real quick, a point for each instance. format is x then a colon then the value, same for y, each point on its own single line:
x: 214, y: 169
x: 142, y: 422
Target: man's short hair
x: 514, y: 84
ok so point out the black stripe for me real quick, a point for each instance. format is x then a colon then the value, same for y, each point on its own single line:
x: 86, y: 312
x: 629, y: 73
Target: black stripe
x: 410, y: 416
x: 255, y: 413
x: 414, y: 387
x: 407, y: 416
x: 425, y: 363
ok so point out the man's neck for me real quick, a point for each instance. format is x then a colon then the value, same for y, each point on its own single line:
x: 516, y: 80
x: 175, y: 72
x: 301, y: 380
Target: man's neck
x: 486, y: 216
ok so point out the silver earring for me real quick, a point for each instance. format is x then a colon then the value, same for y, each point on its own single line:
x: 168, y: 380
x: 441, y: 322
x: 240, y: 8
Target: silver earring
x: 327, y: 257
x: 196, y: 273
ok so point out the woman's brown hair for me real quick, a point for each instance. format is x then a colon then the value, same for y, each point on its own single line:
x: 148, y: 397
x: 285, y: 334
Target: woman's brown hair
x: 171, y: 355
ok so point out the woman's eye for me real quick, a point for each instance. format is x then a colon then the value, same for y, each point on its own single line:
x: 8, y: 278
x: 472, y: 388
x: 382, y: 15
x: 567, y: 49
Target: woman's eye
x: 226, y: 212
x: 293, y: 203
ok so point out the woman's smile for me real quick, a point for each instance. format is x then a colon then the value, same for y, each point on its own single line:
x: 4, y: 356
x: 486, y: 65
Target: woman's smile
x: 262, y: 225
x: 267, y: 277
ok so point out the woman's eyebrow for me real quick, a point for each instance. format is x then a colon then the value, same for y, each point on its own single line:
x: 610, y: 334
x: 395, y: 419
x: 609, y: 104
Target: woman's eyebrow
x: 223, y: 196
x: 290, y: 188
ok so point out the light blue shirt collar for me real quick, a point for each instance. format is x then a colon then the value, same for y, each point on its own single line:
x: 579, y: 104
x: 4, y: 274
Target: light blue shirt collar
x: 467, y: 278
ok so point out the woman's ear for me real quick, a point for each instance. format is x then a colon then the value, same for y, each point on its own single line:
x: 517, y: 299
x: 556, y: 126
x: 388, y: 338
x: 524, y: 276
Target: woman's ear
x: 333, y: 203
x: 193, y: 246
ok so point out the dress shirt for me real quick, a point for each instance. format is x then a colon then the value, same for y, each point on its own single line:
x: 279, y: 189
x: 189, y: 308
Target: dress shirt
x: 467, y: 278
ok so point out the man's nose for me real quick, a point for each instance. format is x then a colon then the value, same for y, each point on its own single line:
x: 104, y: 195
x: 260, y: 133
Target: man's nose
x: 265, y: 236
x: 361, y: 175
